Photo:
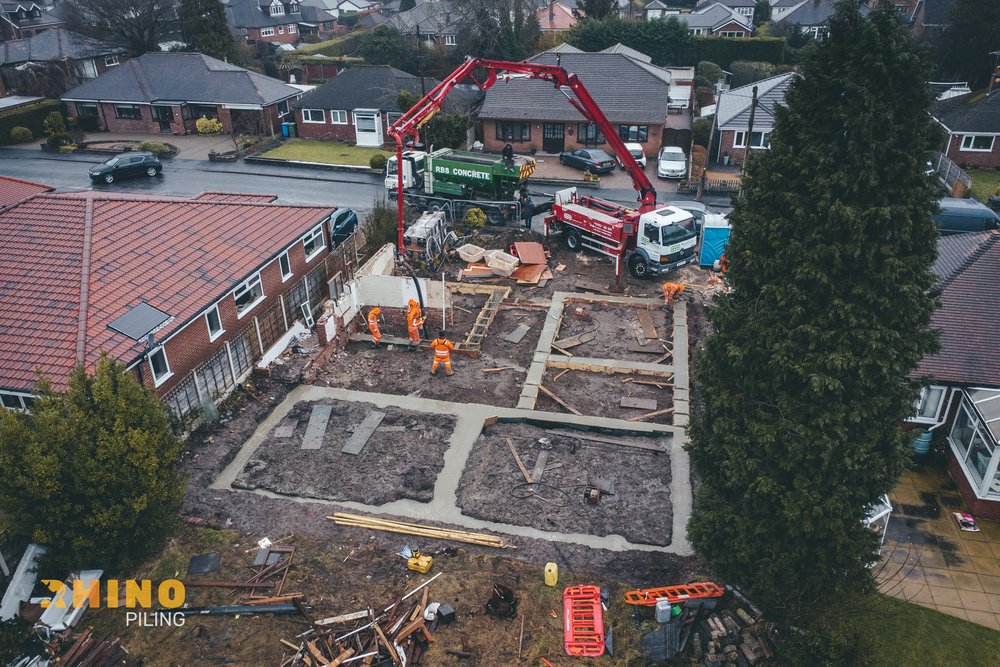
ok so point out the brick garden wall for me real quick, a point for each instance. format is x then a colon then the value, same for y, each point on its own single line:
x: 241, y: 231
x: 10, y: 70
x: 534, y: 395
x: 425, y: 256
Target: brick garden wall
x: 974, y: 159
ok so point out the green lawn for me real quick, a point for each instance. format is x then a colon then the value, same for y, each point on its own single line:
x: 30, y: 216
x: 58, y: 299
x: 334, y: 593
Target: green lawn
x: 984, y: 183
x: 329, y: 152
x: 901, y: 633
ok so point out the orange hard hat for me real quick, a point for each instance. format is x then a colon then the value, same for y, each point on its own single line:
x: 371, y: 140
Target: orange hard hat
x: 375, y: 311
x: 413, y: 304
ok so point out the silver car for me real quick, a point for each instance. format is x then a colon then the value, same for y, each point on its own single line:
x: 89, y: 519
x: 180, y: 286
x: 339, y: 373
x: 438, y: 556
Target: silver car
x: 672, y: 163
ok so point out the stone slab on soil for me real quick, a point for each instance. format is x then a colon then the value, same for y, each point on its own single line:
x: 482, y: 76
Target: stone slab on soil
x: 600, y: 394
x: 392, y: 465
x: 316, y: 429
x: 609, y: 331
x: 363, y: 432
x: 518, y: 334
x: 640, y: 510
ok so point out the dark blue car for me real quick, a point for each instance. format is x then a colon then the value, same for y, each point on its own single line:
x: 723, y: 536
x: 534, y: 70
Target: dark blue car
x: 593, y: 160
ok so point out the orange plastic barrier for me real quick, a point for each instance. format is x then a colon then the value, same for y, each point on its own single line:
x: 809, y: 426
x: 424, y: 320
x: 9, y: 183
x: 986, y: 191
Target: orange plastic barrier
x: 583, y: 621
x: 647, y: 597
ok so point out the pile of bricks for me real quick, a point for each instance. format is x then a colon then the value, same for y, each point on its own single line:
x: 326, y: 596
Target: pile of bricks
x: 733, y: 638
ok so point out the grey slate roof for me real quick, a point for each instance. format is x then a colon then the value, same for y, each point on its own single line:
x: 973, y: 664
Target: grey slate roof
x: 956, y: 251
x: 655, y: 4
x: 314, y: 14
x: 623, y: 88
x: 376, y: 87
x: 938, y: 12
x: 733, y: 109
x: 712, y: 17
x: 52, y: 45
x: 969, y: 113
x: 628, y: 51
x: 248, y: 14
x: 430, y: 17
x: 728, y: 3
x: 182, y: 77
x: 816, y: 12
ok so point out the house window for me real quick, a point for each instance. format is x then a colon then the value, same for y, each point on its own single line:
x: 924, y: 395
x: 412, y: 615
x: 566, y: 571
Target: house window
x: 293, y: 7
x: 978, y: 142
x: 286, y: 266
x: 16, y: 401
x: 204, y: 111
x: 973, y: 446
x: 282, y: 108
x: 158, y: 364
x: 248, y: 294
x: 759, y: 140
x: 638, y: 133
x: 281, y: 30
x: 338, y: 117
x: 110, y: 61
x: 513, y: 131
x: 312, y: 242
x: 277, y: 9
x: 214, y: 322
x: 291, y: 28
x: 86, y: 110
x: 928, y: 406
x: 589, y: 135
x: 130, y: 111
x: 267, y: 32
x: 313, y: 116
x: 732, y: 33
x: 449, y: 40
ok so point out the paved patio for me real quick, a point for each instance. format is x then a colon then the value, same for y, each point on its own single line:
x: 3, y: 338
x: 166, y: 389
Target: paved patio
x: 929, y: 561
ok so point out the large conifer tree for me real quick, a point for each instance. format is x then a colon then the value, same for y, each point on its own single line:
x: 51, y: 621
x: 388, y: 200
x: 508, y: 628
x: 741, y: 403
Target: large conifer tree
x: 805, y: 382
x: 206, y: 31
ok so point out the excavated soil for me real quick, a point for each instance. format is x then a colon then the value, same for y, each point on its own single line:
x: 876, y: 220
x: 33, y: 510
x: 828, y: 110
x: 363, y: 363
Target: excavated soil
x: 609, y: 331
x: 599, y: 394
x: 507, y: 321
x: 639, y: 510
x: 401, y: 459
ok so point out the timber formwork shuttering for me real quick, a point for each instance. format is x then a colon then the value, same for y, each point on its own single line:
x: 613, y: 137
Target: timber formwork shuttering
x: 474, y: 340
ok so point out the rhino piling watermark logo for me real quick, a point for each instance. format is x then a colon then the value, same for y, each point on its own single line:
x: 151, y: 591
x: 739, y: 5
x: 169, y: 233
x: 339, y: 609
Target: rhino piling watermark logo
x: 138, y: 599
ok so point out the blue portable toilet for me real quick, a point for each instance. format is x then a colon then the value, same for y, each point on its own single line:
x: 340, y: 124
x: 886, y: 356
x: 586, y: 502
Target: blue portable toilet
x: 714, y: 237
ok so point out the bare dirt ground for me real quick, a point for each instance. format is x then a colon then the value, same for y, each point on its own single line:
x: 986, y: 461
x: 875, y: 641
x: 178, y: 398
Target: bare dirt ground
x: 600, y: 394
x: 401, y: 459
x: 493, y: 488
x: 609, y: 331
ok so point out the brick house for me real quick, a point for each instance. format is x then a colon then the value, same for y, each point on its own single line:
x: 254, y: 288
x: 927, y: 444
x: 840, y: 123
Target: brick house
x: 271, y: 21
x: 215, y: 282
x: 718, y: 20
x: 19, y: 20
x: 556, y: 17
x: 811, y: 16
x: 434, y: 24
x: 534, y: 115
x: 732, y: 117
x: 359, y: 104
x: 742, y: 7
x: 963, y: 396
x: 52, y: 61
x: 972, y: 122
x: 168, y: 92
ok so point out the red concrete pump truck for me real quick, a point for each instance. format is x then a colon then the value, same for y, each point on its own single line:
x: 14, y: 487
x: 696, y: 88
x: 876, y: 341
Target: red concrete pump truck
x: 651, y: 241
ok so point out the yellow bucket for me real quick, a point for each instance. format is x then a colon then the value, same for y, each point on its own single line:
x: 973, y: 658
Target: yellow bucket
x: 551, y: 574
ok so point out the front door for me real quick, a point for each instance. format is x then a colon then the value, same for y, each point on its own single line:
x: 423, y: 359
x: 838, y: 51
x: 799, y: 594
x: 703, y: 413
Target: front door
x: 165, y: 115
x: 368, y: 127
x: 552, y: 137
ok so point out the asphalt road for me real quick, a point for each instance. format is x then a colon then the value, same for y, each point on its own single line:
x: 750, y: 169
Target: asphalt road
x: 293, y: 185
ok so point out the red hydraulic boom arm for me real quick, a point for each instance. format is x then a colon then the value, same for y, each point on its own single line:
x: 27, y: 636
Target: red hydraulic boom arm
x: 410, y: 123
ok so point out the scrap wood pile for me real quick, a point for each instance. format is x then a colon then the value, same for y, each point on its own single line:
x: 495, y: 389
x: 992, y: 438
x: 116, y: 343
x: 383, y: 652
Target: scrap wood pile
x: 264, y: 589
x: 398, y: 635
x: 734, y: 638
x: 418, y: 529
x: 89, y: 651
x: 527, y: 263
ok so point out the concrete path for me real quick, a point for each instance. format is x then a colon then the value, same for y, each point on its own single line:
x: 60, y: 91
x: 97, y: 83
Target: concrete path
x: 470, y: 418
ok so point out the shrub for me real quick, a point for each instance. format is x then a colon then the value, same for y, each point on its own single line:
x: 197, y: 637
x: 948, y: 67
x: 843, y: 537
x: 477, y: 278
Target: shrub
x: 474, y: 218
x: 155, y: 147
x: 31, y: 116
x: 380, y: 223
x: 709, y: 70
x: 705, y: 96
x: 208, y: 125
x: 377, y: 162
x: 20, y: 135
x: 54, y: 124
x: 701, y: 131
x: 61, y: 139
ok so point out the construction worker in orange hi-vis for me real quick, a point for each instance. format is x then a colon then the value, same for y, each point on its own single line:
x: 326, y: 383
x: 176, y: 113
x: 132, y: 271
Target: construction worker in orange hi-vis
x: 373, y: 316
x: 670, y: 291
x: 414, y: 320
x: 442, y: 353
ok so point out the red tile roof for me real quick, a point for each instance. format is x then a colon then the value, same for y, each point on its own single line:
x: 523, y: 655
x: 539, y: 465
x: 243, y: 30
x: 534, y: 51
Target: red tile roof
x: 13, y: 190
x: 968, y: 321
x: 176, y: 255
x: 235, y: 197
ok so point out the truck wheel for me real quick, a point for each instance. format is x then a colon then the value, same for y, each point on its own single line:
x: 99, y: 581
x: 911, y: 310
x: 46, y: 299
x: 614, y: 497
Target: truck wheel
x: 493, y: 218
x: 573, y: 240
x: 637, y: 266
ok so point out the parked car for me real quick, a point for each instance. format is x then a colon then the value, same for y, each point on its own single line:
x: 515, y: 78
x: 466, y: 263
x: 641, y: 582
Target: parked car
x: 126, y: 165
x: 672, y: 163
x: 343, y: 222
x: 636, y: 151
x: 958, y: 216
x: 593, y: 160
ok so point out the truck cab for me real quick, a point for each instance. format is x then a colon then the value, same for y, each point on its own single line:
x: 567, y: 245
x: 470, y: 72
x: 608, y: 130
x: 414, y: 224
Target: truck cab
x: 664, y: 243
x: 413, y: 170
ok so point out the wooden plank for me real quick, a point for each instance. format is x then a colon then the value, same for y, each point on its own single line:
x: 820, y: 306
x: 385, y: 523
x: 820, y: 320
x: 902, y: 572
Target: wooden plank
x: 520, y: 463
x: 561, y: 373
x: 318, y: 419
x: 497, y: 370
x: 518, y: 334
x: 363, y: 433
x: 646, y: 320
x: 340, y: 659
x: 608, y: 440
x: 529, y: 274
x: 345, y: 618
x: 536, y: 474
x: 646, y: 349
x: 649, y: 414
x: 558, y: 400
x: 569, y: 342
x: 388, y: 645
x: 639, y: 403
x: 530, y: 252
x: 591, y: 286
x: 561, y: 350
